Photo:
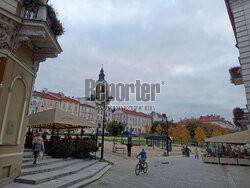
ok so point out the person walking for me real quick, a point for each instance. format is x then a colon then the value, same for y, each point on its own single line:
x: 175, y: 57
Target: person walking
x: 37, y: 146
x: 129, y: 146
x: 187, y: 151
x: 196, y: 153
x: 183, y: 151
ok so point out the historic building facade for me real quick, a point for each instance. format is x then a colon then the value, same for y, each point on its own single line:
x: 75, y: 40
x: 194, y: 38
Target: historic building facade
x: 158, y: 117
x: 132, y: 119
x: 26, y: 39
x: 46, y: 100
x: 238, y: 11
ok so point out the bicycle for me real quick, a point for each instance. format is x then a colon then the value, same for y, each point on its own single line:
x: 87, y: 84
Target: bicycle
x: 141, y: 167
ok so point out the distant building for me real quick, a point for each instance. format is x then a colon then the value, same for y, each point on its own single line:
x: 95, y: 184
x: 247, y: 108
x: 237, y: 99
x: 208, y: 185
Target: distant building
x: 46, y: 100
x: 158, y: 117
x: 87, y: 112
x: 132, y: 119
x: 213, y: 119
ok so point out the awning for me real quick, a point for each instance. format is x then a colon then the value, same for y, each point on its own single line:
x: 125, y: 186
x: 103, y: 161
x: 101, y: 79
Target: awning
x: 242, y: 137
x: 58, y: 120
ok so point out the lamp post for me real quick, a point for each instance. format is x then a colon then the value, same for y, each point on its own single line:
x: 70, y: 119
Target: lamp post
x: 167, y: 137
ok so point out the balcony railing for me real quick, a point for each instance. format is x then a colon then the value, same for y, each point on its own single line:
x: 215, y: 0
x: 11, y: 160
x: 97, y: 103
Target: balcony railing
x: 236, y: 75
x: 43, y: 13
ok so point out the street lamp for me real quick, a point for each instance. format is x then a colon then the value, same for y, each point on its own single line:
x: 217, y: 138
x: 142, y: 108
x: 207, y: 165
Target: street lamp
x: 167, y: 137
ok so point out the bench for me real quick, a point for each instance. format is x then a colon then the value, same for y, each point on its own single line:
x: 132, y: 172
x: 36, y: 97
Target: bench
x: 120, y: 149
x: 136, y: 144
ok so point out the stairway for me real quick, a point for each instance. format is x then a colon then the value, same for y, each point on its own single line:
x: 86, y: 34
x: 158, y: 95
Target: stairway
x: 58, y: 173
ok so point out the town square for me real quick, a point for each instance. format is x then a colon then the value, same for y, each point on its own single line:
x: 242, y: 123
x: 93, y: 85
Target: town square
x: 114, y: 93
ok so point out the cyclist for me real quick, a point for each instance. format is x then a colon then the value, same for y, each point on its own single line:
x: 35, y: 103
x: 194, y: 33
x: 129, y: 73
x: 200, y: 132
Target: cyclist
x: 143, y: 158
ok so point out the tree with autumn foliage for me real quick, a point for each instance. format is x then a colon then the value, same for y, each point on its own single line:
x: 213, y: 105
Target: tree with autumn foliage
x: 147, y: 129
x: 158, y: 129
x: 171, y: 131
x: 185, y: 135
x: 216, y: 132
x: 200, y: 135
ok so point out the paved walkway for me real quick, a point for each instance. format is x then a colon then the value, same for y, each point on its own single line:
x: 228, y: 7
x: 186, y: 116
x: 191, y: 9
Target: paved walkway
x: 178, y: 173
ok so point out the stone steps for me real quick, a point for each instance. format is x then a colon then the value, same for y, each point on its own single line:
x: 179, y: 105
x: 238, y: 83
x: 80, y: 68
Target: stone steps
x: 49, y: 168
x: 25, y: 160
x: 48, y: 176
x: 90, y: 180
x: 78, y: 178
x: 58, y: 173
x: 42, y: 162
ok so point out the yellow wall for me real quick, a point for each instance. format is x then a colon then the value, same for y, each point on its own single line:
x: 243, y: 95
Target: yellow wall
x: 10, y: 150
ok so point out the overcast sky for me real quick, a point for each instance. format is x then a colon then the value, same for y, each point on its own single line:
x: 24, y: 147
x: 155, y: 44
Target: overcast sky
x: 187, y: 43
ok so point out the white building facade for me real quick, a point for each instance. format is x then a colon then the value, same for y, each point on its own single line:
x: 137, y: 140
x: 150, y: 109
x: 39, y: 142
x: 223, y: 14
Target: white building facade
x: 132, y: 119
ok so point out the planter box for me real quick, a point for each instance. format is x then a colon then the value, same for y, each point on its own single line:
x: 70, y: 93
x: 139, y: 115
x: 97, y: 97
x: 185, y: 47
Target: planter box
x: 244, y: 162
x: 210, y: 160
x: 228, y: 161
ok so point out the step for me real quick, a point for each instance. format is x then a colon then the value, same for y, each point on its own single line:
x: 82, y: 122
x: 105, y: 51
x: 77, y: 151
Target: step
x: 25, y: 160
x: 49, y: 168
x: 92, y: 179
x: 73, y: 179
x: 27, y: 150
x: 48, y: 176
x: 42, y: 162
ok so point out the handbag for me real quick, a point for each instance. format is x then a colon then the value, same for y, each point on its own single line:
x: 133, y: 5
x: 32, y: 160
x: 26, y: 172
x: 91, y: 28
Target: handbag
x: 41, y: 154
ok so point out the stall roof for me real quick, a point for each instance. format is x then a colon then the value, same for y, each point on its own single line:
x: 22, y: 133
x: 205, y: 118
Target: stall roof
x: 242, y: 137
x: 58, y: 119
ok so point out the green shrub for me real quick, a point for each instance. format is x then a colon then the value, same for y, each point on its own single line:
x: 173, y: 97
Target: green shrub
x: 62, y: 149
x: 91, y: 146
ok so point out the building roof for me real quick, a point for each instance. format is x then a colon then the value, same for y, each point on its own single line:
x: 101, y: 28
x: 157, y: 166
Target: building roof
x: 135, y: 113
x: 44, y: 95
x: 242, y: 137
x: 63, y: 98
x: 54, y: 96
x: 209, y: 118
x: 86, y: 105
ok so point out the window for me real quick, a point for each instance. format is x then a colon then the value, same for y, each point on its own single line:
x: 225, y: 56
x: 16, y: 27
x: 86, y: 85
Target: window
x: 44, y: 103
x: 50, y: 104
x: 75, y: 108
x: 55, y: 104
x: 33, y: 111
x: 63, y: 106
x: 69, y: 107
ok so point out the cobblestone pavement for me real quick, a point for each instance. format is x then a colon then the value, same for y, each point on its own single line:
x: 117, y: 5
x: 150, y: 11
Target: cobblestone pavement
x: 172, y: 172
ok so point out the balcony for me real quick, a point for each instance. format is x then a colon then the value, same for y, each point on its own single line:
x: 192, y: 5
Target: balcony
x: 236, y: 75
x: 241, y: 117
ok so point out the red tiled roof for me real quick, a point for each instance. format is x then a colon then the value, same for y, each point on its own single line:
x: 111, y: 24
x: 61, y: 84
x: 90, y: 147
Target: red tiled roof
x: 204, y: 119
x: 135, y: 113
x: 58, y: 95
x: 86, y: 105
x: 159, y: 115
x: 44, y: 95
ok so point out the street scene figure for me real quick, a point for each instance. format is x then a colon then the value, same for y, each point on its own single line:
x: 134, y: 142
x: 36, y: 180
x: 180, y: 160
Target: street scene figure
x: 196, y: 153
x: 129, y: 146
x: 187, y: 151
x: 37, y: 146
x: 143, y: 155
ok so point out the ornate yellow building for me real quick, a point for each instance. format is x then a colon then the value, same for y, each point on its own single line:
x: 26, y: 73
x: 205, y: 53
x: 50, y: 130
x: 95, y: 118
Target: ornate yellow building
x: 28, y: 35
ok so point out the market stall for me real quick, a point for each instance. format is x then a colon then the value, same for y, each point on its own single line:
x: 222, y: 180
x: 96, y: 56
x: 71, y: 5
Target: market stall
x: 228, y: 149
x: 57, y: 121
